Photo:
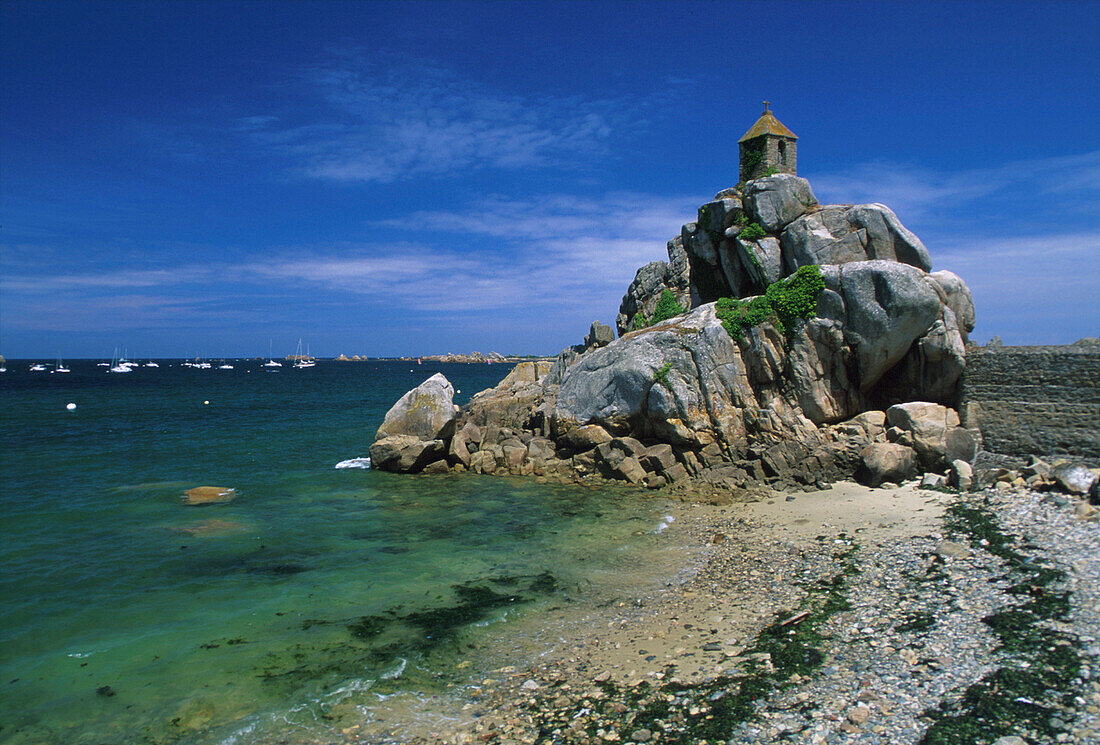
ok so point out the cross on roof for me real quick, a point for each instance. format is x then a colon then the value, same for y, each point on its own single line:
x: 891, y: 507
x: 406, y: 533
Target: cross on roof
x: 766, y: 105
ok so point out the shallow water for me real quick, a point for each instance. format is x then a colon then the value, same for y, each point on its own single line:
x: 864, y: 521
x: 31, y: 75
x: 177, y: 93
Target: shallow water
x: 311, y: 601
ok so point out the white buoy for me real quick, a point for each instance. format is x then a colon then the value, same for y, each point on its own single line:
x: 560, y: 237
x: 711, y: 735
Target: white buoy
x: 205, y: 403
x: 70, y: 407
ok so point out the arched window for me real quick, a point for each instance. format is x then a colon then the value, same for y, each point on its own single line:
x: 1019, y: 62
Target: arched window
x: 782, y: 152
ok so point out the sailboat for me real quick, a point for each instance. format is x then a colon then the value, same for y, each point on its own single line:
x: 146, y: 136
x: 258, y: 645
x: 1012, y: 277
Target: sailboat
x: 303, y: 361
x: 37, y: 367
x: 271, y: 358
x: 60, y: 367
x: 118, y: 365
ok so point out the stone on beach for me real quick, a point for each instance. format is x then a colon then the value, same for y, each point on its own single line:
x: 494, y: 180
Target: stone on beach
x: 886, y: 461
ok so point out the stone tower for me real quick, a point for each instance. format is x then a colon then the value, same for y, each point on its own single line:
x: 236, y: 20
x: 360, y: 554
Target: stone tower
x: 768, y: 147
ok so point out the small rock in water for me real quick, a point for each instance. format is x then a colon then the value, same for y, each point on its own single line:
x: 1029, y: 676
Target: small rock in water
x: 105, y: 691
x: 209, y: 495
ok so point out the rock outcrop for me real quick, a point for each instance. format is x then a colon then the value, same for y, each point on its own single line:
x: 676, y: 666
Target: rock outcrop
x: 745, y: 239
x: 861, y: 384
x: 416, y: 429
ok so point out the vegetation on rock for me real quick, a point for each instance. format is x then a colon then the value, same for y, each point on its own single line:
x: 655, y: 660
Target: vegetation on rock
x: 751, y: 232
x: 667, y: 308
x: 782, y: 304
x: 661, y: 376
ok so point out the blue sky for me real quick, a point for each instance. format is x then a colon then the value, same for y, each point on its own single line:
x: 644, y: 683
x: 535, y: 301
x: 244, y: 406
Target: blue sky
x: 386, y: 179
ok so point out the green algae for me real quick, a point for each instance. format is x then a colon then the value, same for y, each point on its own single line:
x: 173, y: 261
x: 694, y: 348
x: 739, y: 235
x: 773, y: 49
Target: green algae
x: 1027, y: 694
x: 791, y: 644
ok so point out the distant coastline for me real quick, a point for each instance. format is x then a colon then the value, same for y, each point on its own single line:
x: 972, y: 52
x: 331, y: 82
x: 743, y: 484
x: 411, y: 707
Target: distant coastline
x: 471, y: 358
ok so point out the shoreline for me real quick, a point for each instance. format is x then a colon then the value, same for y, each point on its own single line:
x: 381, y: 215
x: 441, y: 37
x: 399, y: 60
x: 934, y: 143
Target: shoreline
x: 745, y: 564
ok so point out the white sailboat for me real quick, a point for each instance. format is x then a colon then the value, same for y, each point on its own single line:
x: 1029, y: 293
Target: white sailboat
x: 119, y: 365
x: 60, y: 367
x: 303, y: 361
x: 271, y: 358
x: 37, y: 367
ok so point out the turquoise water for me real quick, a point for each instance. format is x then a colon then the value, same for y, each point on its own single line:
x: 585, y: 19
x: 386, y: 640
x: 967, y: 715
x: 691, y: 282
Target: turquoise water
x: 295, y: 609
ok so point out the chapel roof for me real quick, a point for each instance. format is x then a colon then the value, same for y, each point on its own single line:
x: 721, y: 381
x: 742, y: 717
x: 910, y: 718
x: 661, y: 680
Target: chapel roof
x: 767, y: 124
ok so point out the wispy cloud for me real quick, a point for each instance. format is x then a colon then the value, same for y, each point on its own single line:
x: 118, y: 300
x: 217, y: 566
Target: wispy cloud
x: 916, y: 191
x: 1030, y: 290
x: 382, y: 117
x: 514, y: 255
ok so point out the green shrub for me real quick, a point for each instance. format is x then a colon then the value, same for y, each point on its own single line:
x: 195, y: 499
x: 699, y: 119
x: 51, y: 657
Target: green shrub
x: 752, y: 231
x: 661, y: 376
x: 782, y: 304
x: 667, y: 308
x: 738, y: 316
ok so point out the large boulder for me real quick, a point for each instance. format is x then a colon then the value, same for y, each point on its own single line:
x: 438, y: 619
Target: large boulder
x: 405, y: 453
x: 926, y: 426
x: 683, y: 381
x: 427, y: 412
x: 679, y: 272
x: 599, y: 335
x: 531, y: 371
x: 820, y: 364
x: 956, y: 296
x: 643, y: 295
x: 840, y: 234
x: 776, y: 201
x: 762, y: 260
x: 886, y: 461
x: 882, y: 307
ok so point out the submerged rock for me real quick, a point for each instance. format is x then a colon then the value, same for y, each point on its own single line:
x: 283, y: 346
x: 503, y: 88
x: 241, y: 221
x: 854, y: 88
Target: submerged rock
x: 210, y: 527
x: 209, y: 495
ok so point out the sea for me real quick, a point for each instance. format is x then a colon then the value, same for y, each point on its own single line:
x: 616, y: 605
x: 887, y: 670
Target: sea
x: 324, y: 599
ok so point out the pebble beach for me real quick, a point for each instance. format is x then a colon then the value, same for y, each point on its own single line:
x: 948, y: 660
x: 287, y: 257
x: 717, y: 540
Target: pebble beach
x: 887, y: 651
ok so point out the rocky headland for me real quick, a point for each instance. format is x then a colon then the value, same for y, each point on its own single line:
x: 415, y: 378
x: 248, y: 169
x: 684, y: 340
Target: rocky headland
x: 785, y: 344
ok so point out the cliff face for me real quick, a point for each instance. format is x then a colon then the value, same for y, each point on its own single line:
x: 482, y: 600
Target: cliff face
x: 747, y: 388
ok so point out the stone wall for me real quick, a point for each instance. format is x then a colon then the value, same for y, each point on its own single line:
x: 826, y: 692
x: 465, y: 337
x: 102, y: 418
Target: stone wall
x: 1034, y: 400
